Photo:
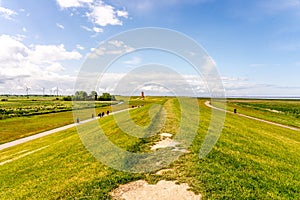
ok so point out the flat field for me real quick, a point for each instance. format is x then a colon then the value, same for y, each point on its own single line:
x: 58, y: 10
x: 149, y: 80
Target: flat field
x: 251, y: 160
x: 22, y: 116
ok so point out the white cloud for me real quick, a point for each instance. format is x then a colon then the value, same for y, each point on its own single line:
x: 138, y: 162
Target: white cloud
x: 12, y: 50
x: 98, y: 12
x: 55, y: 67
x: 97, y: 30
x: 153, y: 83
x: 7, y: 13
x: 73, y: 3
x: 32, y: 65
x: 78, y: 46
x: 42, y: 53
x: 122, y: 13
x: 112, y: 47
x: 165, y: 84
x: 24, y: 29
x: 103, y: 15
x: 60, y: 26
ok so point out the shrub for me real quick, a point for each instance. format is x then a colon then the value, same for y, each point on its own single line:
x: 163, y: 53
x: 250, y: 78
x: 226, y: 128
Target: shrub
x: 68, y: 98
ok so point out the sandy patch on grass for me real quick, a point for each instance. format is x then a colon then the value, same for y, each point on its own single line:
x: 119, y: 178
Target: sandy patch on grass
x: 163, y: 190
x: 164, y: 171
x: 166, y: 141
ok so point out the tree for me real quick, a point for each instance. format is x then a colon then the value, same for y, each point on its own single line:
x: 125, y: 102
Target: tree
x: 80, y: 96
x: 107, y: 97
x: 93, y: 95
x: 68, y: 98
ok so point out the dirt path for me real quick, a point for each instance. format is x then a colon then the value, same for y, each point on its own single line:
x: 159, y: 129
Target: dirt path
x: 163, y: 190
x: 42, y: 134
x: 254, y: 118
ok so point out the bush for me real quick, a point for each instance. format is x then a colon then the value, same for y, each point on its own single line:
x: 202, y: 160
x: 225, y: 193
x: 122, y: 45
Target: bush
x: 107, y: 97
x: 68, y: 98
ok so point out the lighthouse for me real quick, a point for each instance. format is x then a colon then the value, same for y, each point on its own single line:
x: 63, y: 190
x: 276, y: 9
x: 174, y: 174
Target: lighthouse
x: 142, y: 95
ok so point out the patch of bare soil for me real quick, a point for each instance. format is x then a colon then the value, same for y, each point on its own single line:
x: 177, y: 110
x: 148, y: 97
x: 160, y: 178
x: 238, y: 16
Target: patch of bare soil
x: 163, y: 190
x: 166, y: 141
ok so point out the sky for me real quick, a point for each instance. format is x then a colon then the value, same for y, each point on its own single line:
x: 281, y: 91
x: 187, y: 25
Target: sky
x: 255, y: 45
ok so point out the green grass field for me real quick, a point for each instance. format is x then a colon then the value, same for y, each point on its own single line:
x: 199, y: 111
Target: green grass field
x: 281, y: 111
x: 251, y: 160
x: 51, y: 114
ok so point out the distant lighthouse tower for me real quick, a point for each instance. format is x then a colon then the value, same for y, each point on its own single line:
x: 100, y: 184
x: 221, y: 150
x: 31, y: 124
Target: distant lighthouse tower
x: 142, y: 95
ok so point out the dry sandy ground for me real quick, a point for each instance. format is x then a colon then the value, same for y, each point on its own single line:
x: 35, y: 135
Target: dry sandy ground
x: 163, y: 190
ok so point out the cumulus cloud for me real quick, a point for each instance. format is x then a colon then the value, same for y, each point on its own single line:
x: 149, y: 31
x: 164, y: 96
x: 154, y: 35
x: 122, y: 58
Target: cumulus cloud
x: 98, y: 12
x: 104, y: 15
x: 12, y: 51
x: 55, y: 67
x: 169, y: 84
x: 32, y: 65
x: 7, y: 13
x: 153, y: 81
x: 46, y: 53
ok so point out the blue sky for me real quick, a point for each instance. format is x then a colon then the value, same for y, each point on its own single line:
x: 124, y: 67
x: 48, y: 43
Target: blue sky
x: 255, y: 44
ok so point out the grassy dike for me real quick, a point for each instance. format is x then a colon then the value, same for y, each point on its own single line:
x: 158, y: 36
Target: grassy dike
x: 20, y: 127
x: 252, y: 160
x: 280, y: 111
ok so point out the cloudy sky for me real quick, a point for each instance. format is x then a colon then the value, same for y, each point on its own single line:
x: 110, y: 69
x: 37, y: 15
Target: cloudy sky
x: 255, y: 44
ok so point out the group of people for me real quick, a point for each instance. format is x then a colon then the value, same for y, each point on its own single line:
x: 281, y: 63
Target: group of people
x: 99, y: 115
x: 102, y: 114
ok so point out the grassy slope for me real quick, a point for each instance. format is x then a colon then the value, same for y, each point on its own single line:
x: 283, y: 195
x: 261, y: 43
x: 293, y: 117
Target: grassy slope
x: 19, y: 127
x: 263, y: 109
x: 251, y: 160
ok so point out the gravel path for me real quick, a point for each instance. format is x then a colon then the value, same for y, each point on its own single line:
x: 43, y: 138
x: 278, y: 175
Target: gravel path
x: 254, y: 118
x: 42, y: 134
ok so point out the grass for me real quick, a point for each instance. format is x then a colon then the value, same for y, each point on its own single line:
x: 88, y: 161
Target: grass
x: 13, y: 107
x: 252, y: 160
x: 281, y: 111
x: 18, y: 127
x: 64, y: 168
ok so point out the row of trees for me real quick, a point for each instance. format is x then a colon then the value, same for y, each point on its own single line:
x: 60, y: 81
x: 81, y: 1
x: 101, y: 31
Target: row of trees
x: 93, y: 96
